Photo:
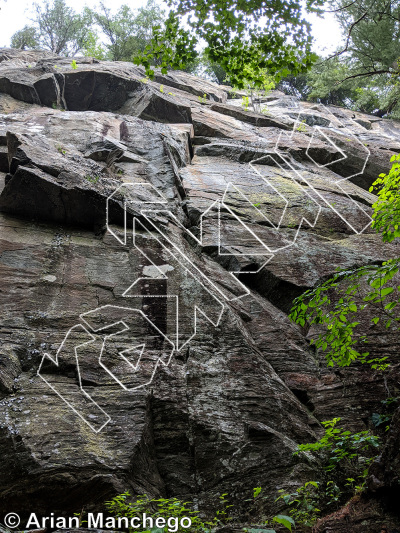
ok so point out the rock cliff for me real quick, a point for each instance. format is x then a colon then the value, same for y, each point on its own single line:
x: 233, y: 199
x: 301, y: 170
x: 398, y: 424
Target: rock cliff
x: 153, y: 236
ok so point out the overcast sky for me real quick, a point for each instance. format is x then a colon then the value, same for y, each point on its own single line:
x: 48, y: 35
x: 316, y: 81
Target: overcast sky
x: 14, y: 14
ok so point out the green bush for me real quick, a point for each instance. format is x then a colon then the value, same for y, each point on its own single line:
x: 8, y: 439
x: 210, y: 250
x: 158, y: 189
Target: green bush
x: 343, y: 449
x: 123, y: 506
x: 120, y: 506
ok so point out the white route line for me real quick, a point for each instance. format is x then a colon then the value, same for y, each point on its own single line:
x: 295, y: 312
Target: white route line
x: 188, y: 266
x: 126, y: 328
x: 181, y: 259
x: 55, y: 361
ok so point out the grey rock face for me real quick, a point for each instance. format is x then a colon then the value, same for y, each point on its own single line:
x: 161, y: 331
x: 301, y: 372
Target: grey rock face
x: 166, y: 364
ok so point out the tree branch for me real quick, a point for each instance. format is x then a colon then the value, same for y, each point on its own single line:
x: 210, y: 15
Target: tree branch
x: 341, y: 8
x: 372, y: 73
x: 337, y: 54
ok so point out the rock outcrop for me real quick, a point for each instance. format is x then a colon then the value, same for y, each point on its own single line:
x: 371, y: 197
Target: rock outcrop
x: 166, y: 363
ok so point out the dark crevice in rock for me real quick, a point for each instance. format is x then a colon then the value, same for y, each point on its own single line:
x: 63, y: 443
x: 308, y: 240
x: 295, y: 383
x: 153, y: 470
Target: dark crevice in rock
x: 279, y: 292
x: 256, y: 119
x: 176, y: 163
x: 304, y: 397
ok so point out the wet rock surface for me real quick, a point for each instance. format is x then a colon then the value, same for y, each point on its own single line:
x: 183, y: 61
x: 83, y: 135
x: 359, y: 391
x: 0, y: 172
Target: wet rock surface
x: 166, y: 364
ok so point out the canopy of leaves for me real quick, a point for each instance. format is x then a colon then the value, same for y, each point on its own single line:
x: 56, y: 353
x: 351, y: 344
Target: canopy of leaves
x: 93, y: 47
x: 327, y: 86
x: 26, y: 38
x: 363, y: 72
x: 372, y: 31
x: 328, y: 82
x: 239, y: 34
x: 128, y: 32
x: 387, y: 209
x: 60, y: 29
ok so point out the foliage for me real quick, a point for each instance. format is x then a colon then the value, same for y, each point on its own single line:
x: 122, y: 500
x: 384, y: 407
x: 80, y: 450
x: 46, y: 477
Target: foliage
x: 324, y: 83
x: 255, y: 92
x: 296, y: 85
x: 303, y: 503
x: 93, y: 47
x: 341, y: 307
x: 26, y: 38
x: 92, y: 179
x: 373, y: 34
x: 222, y: 515
x: 120, y: 506
x: 245, y: 102
x: 239, y: 34
x: 170, y: 46
x: 302, y: 126
x: 255, y: 505
x: 387, y: 209
x: 332, y: 493
x: 342, y: 454
x: 146, y: 18
x: 286, y: 521
x: 363, y: 73
x: 60, y: 29
x: 342, y: 448
x: 59, y: 147
x: 123, y: 506
x: 382, y: 418
x: 80, y: 517
x: 212, y: 69
x: 339, y: 311
x: 128, y: 32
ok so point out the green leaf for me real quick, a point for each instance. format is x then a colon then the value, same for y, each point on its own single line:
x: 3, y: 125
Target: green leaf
x: 387, y: 291
x: 286, y: 521
x: 256, y: 491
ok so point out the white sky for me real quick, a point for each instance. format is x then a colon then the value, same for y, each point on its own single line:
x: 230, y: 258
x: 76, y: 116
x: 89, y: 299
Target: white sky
x: 14, y: 14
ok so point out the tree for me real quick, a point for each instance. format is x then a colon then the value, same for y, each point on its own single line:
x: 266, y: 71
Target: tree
x: 297, y: 86
x: 128, y: 32
x: 329, y: 86
x: 341, y: 307
x: 212, y: 69
x: 369, y: 56
x: 147, y: 17
x: 372, y: 32
x: 330, y: 83
x: 238, y: 34
x: 61, y: 30
x: 93, y: 47
x: 364, y: 71
x: 323, y: 83
x: 26, y: 38
x: 255, y: 92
